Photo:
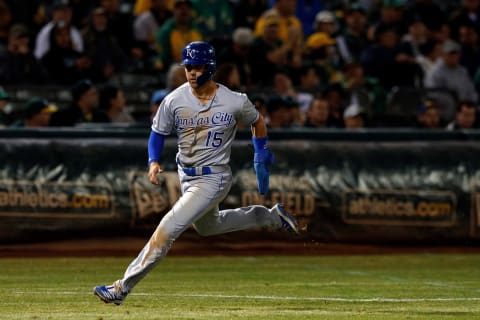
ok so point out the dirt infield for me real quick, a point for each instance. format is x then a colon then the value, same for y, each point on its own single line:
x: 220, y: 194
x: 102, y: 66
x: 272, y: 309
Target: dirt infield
x: 221, y: 245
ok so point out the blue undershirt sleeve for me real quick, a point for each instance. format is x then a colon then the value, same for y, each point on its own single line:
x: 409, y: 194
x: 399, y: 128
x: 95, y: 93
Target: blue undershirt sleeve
x: 155, y: 146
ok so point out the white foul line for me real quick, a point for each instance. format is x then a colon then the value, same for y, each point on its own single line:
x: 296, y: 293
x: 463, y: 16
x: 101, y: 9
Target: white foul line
x: 260, y: 297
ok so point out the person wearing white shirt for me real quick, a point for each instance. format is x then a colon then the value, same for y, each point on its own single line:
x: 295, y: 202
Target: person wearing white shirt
x: 61, y: 12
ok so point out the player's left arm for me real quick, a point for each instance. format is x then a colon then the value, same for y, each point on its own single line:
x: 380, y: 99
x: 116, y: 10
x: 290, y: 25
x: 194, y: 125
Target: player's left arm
x: 263, y: 156
x: 161, y: 128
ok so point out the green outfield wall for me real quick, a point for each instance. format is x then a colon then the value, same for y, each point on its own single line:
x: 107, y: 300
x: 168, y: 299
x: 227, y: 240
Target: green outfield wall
x: 370, y: 185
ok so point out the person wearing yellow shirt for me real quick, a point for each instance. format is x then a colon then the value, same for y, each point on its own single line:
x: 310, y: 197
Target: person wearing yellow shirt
x: 290, y: 28
x: 175, y: 34
x: 142, y: 6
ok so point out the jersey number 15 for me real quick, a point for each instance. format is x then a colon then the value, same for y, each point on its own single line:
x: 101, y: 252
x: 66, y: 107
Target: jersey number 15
x: 214, y: 139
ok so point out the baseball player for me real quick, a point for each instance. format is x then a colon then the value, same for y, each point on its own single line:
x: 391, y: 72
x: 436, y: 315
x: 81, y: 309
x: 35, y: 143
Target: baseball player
x: 204, y: 116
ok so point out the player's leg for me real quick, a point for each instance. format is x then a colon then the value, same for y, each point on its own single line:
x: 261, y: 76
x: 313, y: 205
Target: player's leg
x: 255, y: 216
x: 200, y: 195
x: 229, y: 220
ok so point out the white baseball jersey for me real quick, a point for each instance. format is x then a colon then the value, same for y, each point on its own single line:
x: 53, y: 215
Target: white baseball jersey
x: 205, y: 132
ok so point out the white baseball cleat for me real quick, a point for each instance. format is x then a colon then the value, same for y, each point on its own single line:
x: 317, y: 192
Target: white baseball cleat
x: 109, y: 294
x: 288, y: 221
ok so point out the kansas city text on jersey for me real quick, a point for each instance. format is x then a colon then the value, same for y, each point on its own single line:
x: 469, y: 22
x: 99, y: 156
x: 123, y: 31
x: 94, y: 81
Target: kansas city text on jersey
x: 217, y: 119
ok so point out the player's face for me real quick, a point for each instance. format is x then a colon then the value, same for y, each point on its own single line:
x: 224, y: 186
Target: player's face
x: 192, y: 72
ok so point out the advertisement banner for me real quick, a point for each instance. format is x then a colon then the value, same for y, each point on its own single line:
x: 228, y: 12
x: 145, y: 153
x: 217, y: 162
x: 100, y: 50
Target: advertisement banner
x: 339, y: 189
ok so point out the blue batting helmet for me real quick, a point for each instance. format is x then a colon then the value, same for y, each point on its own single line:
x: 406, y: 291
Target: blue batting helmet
x: 200, y: 53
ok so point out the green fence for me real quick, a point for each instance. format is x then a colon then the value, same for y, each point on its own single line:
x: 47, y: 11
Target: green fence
x: 370, y: 185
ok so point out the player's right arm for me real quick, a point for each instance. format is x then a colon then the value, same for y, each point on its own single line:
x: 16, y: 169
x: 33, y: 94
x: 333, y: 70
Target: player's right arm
x: 162, y: 125
x: 155, y: 148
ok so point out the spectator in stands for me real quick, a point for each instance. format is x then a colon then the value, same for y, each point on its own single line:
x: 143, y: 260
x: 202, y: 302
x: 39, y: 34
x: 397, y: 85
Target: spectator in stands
x: 320, y: 51
x: 468, y: 12
x: 175, y: 34
x: 228, y: 75
x: 353, y: 39
x: 36, y: 114
x: 278, y: 113
x: 4, y: 99
x: 214, y: 19
x: 239, y: 52
x: 64, y: 64
x: 427, y: 11
x: 296, y: 118
x: 470, y: 48
x: 62, y: 12
x: 428, y: 116
x: 337, y: 99
x: 112, y: 106
x: 247, y: 12
x: 142, y: 6
x: 102, y: 48
x: 120, y: 24
x: 391, y: 17
x: 430, y: 53
x: 84, y: 104
x: 326, y: 22
x: 290, y: 29
x: 17, y: 63
x: 308, y: 85
x: 385, y: 61
x: 354, y: 117
x: 318, y: 114
x: 289, y: 25
x: 147, y: 23
x: 175, y: 78
x: 308, y: 79
x: 81, y: 10
x: 283, y: 87
x: 5, y: 22
x: 449, y: 74
x: 366, y: 91
x: 441, y: 34
x: 269, y: 52
x: 29, y: 13
x: 417, y: 35
x: 155, y: 100
x: 465, y: 116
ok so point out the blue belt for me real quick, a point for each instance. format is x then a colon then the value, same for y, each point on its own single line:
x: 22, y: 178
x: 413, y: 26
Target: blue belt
x: 197, y: 171
x: 201, y: 171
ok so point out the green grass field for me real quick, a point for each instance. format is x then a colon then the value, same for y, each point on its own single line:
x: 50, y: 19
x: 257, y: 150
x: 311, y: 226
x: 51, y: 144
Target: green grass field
x: 418, y: 286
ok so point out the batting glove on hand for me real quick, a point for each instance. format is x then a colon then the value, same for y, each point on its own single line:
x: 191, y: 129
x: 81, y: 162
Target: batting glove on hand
x: 262, y: 158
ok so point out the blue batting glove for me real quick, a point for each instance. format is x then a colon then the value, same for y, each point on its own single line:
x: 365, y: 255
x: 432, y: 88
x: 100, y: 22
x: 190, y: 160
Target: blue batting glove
x: 262, y: 158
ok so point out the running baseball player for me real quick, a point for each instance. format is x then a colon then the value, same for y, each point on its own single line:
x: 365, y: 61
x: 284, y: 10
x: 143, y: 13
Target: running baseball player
x: 204, y: 116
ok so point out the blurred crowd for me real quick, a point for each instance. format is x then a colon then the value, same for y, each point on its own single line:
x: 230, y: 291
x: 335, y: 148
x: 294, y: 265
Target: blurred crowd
x: 304, y: 63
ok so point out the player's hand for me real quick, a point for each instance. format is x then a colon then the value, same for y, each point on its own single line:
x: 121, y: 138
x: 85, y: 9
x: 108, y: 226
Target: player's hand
x: 153, y: 170
x: 261, y: 160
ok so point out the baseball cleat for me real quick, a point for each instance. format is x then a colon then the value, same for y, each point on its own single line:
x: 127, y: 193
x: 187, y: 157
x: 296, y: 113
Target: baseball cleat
x: 288, y: 221
x: 109, y: 294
